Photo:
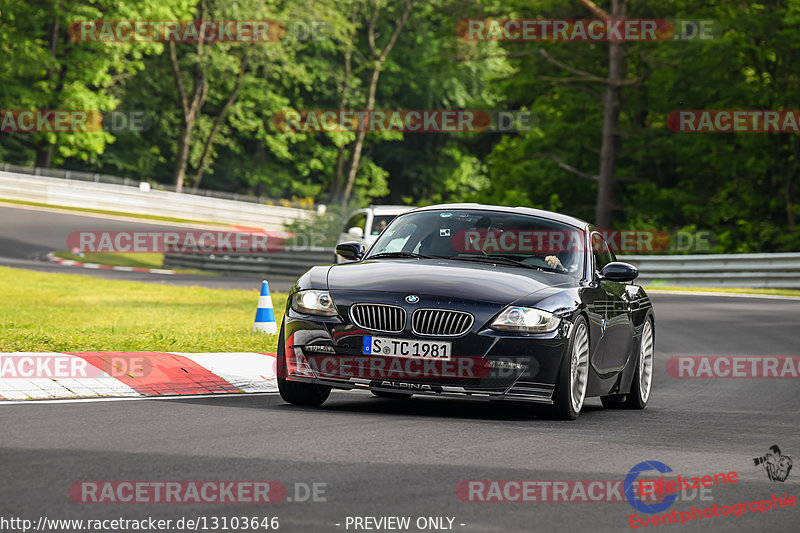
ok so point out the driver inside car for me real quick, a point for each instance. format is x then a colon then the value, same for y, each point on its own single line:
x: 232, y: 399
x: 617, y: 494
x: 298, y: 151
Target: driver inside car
x: 563, y: 261
x: 569, y: 259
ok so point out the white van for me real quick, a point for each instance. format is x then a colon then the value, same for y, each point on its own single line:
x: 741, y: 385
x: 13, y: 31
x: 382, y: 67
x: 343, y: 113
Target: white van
x: 366, y: 224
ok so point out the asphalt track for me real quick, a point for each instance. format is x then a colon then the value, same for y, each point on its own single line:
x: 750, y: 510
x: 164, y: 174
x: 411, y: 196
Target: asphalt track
x: 27, y: 234
x: 381, y: 457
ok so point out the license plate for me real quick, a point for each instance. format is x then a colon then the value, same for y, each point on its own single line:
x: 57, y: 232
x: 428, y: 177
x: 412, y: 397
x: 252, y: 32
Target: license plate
x: 406, y: 348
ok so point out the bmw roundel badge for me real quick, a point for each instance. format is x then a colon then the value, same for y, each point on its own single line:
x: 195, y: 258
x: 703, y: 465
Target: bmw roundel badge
x: 412, y: 298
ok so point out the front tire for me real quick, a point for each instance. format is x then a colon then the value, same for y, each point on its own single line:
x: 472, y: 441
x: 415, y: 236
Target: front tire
x: 573, y: 375
x: 296, y: 393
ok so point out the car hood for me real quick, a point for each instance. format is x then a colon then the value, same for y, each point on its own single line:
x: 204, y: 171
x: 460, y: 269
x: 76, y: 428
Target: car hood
x: 498, y: 284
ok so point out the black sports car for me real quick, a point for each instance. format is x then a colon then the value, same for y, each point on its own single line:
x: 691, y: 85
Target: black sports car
x: 473, y: 301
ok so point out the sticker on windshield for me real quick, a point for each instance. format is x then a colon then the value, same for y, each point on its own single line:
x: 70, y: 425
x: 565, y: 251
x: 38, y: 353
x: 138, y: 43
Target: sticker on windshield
x: 444, y: 232
x: 445, y: 215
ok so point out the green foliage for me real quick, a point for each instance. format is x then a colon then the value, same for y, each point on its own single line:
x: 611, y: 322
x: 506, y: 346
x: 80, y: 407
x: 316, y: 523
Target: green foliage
x: 743, y: 187
x: 319, y: 229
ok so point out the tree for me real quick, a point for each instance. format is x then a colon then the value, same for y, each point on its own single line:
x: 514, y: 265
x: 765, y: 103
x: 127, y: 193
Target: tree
x: 378, y: 58
x: 611, y: 110
x: 44, y: 68
x: 217, y: 73
x: 611, y: 103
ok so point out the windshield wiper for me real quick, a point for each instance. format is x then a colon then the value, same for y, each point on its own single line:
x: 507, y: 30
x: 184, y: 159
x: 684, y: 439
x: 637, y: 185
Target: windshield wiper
x: 399, y: 254
x: 486, y: 258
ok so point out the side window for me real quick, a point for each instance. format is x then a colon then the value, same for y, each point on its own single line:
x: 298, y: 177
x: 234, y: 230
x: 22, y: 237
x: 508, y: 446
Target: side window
x: 602, y: 255
x: 359, y: 220
x: 380, y: 222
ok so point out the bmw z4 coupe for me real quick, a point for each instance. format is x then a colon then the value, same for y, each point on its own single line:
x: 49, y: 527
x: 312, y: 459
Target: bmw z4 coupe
x: 473, y: 301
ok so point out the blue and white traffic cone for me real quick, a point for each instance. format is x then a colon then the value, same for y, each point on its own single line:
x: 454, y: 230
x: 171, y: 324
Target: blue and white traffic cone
x: 265, y: 314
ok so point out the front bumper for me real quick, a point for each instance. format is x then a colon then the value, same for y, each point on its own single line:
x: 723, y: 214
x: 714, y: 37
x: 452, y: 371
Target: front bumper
x: 486, y: 364
x: 531, y: 392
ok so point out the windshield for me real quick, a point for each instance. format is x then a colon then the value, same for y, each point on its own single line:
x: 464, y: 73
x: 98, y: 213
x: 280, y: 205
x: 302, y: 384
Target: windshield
x: 475, y: 235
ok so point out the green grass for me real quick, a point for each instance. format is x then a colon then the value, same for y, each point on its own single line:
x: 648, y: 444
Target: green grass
x: 114, y: 213
x: 61, y: 312
x: 117, y: 259
x: 730, y: 290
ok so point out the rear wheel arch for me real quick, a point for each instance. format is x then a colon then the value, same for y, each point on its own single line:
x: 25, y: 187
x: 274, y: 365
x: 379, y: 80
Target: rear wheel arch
x: 633, y: 398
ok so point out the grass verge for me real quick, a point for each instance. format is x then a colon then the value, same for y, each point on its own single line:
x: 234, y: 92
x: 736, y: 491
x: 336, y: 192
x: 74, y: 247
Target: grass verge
x: 136, y: 260
x: 65, y: 313
x: 114, y: 213
x: 116, y: 259
x: 729, y: 290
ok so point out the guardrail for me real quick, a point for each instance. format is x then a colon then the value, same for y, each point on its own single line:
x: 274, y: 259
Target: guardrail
x: 773, y: 271
x: 121, y: 198
x: 778, y: 271
x: 286, y: 263
x: 96, y: 177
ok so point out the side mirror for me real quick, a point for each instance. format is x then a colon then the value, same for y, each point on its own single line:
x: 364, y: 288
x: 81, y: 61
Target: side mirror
x: 356, y: 232
x: 351, y: 250
x: 619, y: 271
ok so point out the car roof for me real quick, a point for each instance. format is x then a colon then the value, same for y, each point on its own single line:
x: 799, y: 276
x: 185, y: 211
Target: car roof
x: 389, y: 209
x: 558, y: 217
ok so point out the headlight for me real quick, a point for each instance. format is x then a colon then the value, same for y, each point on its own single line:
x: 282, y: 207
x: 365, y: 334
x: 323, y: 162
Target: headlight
x: 314, y: 303
x: 525, y: 320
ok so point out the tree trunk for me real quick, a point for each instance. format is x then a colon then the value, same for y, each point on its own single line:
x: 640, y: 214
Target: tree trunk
x: 604, y: 215
x: 339, y: 178
x: 344, y: 87
x: 45, y: 150
x: 44, y: 154
x: 362, y: 133
x: 791, y: 172
x: 379, y: 58
x: 182, y: 157
x: 787, y: 196
x: 201, y: 168
x: 189, y: 107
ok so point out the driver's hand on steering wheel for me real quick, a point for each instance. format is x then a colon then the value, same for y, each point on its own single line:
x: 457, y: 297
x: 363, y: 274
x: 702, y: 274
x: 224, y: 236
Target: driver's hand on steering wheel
x: 554, y: 262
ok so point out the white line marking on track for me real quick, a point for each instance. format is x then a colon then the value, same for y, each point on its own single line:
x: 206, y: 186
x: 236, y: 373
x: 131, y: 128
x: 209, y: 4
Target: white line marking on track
x: 727, y: 294
x: 123, y: 399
